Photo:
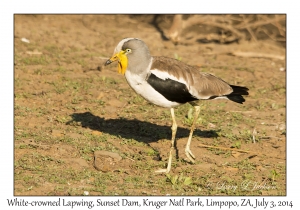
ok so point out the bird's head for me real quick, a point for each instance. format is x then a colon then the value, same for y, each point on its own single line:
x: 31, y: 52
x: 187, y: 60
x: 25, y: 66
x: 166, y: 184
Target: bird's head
x: 132, y: 49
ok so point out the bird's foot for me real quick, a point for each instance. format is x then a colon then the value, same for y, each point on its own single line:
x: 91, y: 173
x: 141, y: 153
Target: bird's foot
x: 190, y: 155
x: 163, y: 170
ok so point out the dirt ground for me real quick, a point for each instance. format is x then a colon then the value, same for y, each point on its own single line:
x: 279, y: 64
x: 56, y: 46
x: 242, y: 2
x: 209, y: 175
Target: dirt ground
x: 68, y: 107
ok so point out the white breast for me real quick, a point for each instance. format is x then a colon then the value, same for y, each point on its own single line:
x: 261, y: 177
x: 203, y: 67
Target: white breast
x: 142, y: 88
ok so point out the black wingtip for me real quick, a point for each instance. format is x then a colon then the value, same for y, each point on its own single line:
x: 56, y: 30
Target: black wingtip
x: 236, y: 98
x: 240, y: 90
x: 237, y: 94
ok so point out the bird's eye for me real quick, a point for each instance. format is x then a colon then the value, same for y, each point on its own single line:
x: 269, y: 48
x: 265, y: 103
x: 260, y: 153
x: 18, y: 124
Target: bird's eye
x: 128, y: 50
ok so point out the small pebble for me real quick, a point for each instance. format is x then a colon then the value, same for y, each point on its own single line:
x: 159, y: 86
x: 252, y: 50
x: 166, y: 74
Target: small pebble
x: 25, y: 40
x: 281, y: 69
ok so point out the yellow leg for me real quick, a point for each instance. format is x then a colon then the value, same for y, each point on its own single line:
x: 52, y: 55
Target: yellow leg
x: 188, y: 151
x: 174, y: 130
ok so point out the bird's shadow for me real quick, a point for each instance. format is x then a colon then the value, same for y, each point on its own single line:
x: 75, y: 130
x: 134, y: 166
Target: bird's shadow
x: 133, y: 129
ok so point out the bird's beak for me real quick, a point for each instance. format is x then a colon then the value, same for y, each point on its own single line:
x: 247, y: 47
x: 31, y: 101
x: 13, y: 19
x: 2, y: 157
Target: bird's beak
x: 122, y: 61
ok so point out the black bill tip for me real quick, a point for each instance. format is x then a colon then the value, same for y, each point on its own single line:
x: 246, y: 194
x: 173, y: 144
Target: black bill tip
x: 108, y: 62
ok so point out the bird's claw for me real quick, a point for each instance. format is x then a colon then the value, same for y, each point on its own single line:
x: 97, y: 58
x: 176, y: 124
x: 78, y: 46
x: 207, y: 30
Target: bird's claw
x: 190, y: 155
x: 164, y: 170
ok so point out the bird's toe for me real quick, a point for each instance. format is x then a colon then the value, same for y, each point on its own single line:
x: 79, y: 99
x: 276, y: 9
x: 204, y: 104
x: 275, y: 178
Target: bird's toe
x: 190, y: 155
x: 163, y: 170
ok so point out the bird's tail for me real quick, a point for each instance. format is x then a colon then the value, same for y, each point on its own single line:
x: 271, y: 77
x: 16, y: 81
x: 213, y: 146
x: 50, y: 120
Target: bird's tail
x: 237, y: 94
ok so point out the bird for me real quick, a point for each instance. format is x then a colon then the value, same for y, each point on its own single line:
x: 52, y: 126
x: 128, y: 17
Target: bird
x: 168, y: 82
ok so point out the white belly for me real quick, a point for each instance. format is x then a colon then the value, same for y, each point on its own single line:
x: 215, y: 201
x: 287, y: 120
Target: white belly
x: 142, y: 88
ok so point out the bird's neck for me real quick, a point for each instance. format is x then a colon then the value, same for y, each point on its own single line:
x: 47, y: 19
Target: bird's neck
x: 142, y: 68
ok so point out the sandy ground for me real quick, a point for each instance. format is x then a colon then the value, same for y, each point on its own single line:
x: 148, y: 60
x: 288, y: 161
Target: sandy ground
x: 67, y: 106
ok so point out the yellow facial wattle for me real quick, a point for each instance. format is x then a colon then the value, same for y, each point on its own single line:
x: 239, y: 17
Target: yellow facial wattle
x: 122, y: 62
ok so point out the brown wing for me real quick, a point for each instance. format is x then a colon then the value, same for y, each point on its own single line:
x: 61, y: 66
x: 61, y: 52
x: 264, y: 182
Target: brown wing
x: 201, y: 85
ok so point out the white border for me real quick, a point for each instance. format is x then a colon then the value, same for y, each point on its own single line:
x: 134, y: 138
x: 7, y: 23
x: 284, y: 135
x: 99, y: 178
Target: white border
x: 8, y: 8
